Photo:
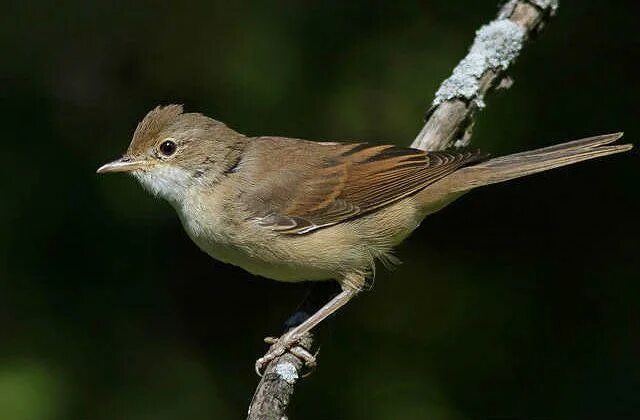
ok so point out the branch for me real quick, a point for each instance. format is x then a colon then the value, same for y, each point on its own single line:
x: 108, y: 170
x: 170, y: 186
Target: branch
x: 448, y: 122
x: 271, y: 399
x: 497, y: 44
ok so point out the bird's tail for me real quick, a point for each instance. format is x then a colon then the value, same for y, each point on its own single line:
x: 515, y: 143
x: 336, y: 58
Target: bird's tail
x: 526, y: 163
x: 513, y: 166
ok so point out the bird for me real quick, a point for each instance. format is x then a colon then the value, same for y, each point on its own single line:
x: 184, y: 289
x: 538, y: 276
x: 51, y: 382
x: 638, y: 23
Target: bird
x: 296, y: 210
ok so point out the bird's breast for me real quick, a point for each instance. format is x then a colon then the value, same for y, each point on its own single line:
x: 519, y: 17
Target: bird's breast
x: 207, y: 222
x: 224, y: 234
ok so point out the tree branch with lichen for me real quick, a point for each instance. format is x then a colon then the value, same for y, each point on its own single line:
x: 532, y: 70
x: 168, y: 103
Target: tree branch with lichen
x: 448, y: 122
x: 496, y: 46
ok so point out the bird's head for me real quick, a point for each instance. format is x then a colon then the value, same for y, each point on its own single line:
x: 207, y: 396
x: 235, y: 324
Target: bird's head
x: 172, y: 151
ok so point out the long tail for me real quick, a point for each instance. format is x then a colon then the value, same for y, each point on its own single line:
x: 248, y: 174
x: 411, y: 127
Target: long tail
x: 526, y: 163
x: 504, y: 168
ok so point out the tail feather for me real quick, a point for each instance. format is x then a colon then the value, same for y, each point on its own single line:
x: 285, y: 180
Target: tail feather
x: 585, y: 143
x: 526, y: 163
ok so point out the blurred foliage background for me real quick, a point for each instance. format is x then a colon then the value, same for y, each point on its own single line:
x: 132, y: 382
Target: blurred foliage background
x: 519, y: 300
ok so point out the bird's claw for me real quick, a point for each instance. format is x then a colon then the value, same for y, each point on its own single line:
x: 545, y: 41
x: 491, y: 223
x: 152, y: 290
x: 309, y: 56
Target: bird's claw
x: 281, y: 345
x: 308, y: 358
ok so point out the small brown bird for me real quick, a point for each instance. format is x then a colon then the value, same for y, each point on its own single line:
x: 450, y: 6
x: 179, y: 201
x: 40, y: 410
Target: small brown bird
x: 294, y: 210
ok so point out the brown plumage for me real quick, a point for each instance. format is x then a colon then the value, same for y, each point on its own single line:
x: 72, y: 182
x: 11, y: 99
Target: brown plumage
x: 149, y: 129
x: 345, y: 181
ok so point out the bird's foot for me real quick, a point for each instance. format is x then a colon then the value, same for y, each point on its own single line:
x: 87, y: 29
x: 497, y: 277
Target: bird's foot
x: 286, y: 343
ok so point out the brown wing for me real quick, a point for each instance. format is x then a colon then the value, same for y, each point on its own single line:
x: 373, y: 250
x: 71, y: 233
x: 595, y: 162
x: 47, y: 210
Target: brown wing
x: 350, y: 180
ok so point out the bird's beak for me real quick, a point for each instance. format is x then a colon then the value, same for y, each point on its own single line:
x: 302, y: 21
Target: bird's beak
x: 124, y: 164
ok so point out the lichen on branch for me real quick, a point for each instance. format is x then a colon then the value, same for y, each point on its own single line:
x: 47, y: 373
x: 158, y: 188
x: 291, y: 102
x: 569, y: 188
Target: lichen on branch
x: 495, y: 47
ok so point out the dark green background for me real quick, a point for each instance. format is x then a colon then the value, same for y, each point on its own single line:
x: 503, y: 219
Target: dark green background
x: 517, y: 300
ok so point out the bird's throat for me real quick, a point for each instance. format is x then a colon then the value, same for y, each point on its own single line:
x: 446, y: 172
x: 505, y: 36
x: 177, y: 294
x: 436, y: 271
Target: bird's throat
x: 166, y: 181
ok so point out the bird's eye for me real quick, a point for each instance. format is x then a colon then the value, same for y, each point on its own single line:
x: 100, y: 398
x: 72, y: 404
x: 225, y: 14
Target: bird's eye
x: 168, y: 147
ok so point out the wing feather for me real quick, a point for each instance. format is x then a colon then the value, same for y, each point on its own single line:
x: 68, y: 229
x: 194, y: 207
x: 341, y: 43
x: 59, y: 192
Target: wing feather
x: 350, y: 180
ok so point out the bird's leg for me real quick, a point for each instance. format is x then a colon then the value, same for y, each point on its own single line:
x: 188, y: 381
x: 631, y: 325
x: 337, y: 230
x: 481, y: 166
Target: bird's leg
x: 291, y: 338
x: 318, y: 293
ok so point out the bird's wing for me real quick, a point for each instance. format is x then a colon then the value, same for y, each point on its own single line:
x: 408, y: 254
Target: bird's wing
x: 337, y: 182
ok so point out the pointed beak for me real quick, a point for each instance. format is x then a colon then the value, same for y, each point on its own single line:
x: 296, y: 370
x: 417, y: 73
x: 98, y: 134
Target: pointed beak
x: 124, y: 164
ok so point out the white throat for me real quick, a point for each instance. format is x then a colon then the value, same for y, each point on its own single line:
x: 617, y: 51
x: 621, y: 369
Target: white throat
x: 166, y: 181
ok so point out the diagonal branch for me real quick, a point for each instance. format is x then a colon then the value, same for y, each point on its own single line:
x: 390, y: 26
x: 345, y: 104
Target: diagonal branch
x: 448, y: 123
x: 496, y: 46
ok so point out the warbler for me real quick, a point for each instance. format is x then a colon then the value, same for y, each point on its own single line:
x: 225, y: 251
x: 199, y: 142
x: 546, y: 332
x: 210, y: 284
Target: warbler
x: 297, y: 210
